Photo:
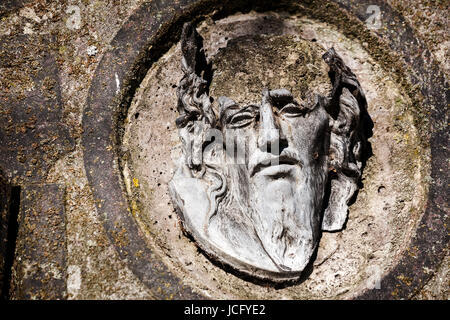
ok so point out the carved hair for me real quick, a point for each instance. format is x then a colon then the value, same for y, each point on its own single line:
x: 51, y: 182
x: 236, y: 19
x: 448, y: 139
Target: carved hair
x: 193, y: 98
x: 197, y: 117
x: 350, y: 125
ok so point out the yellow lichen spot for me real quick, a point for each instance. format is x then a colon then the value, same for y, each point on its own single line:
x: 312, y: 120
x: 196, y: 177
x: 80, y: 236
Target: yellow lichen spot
x: 136, y: 182
x: 395, y: 292
x: 405, y: 280
x: 134, y: 208
x: 406, y: 137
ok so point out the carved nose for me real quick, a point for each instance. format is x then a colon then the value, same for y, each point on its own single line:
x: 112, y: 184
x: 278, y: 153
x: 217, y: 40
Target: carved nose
x: 270, y: 138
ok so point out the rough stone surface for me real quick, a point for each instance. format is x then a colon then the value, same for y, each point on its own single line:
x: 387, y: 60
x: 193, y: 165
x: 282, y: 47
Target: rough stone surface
x: 95, y: 269
x: 33, y: 137
x: 299, y: 63
x: 39, y: 270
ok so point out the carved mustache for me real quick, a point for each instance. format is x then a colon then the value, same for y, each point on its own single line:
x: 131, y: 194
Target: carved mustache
x: 263, y: 160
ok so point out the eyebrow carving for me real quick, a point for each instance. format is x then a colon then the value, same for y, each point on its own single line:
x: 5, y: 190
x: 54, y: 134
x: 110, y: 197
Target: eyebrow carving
x: 281, y: 97
x: 230, y: 111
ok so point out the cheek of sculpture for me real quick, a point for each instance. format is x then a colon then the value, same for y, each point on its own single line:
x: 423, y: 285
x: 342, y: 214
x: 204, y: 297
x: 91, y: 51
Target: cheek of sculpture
x: 239, y: 145
x: 310, y: 137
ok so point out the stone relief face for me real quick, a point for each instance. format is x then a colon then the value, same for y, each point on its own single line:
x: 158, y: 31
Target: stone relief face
x: 258, y: 182
x: 284, y: 170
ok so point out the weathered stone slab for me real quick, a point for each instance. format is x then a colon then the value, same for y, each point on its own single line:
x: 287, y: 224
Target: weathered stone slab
x: 28, y: 149
x: 39, y: 270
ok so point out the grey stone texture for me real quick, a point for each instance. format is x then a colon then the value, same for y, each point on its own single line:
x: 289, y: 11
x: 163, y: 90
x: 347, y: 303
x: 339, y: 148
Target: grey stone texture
x: 50, y: 51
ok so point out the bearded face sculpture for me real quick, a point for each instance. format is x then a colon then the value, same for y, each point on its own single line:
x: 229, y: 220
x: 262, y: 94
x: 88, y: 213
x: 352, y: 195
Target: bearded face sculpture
x: 258, y: 182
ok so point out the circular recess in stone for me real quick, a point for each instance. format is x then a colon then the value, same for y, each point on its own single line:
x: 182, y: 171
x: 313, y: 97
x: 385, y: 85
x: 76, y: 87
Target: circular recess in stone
x: 286, y: 53
x: 401, y: 60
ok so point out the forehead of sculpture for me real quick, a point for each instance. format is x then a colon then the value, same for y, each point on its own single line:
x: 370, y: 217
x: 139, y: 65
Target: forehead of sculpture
x: 250, y: 63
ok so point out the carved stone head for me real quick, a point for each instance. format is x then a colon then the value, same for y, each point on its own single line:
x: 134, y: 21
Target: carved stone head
x: 259, y: 181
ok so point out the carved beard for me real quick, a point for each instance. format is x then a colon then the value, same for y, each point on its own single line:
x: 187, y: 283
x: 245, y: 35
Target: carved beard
x: 289, y: 228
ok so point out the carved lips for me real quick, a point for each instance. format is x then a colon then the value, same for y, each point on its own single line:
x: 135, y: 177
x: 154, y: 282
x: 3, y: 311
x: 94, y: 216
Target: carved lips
x: 271, y: 165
